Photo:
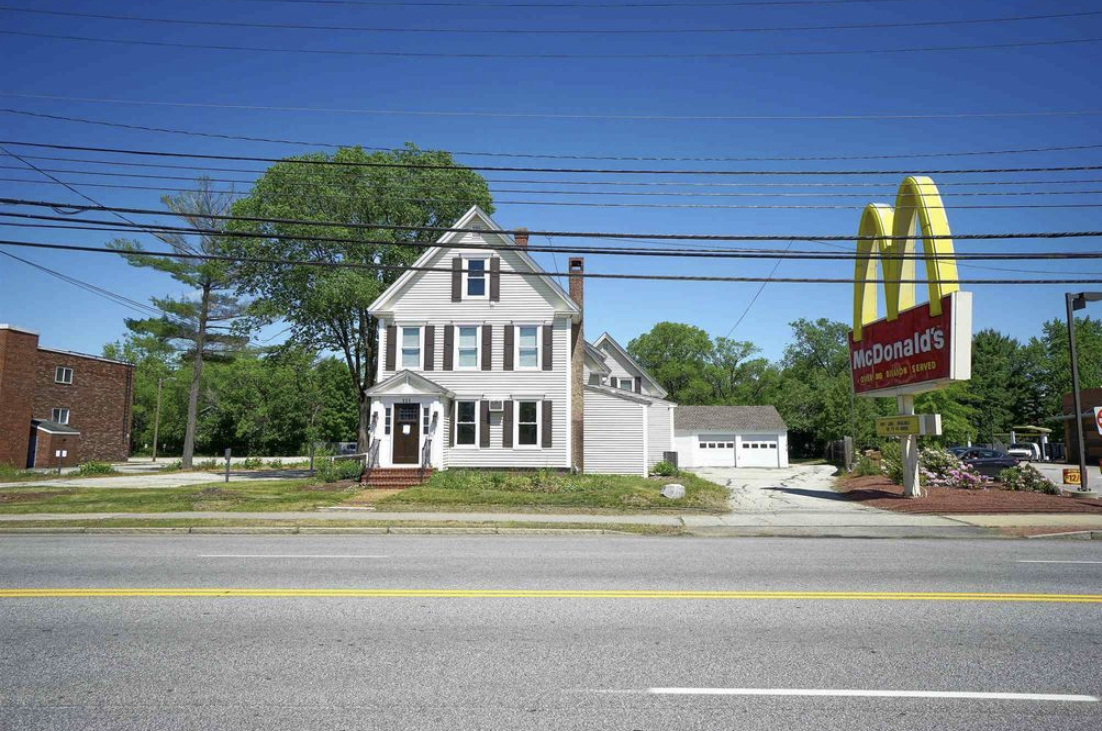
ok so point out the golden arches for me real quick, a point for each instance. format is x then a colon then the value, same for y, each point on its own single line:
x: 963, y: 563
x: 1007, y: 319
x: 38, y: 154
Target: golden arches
x: 890, y: 233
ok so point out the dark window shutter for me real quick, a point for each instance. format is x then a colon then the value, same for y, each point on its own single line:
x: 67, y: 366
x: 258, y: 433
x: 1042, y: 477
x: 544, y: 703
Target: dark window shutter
x: 495, y: 279
x: 507, y: 354
x: 449, y: 347
x: 548, y: 346
x: 638, y: 384
x: 484, y: 431
x: 457, y: 279
x: 487, y: 347
x: 455, y: 416
x: 391, y: 346
x: 430, y: 347
x: 507, y: 425
x: 546, y: 424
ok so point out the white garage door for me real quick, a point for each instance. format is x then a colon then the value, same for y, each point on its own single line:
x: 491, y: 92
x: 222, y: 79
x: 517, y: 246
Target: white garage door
x: 715, y: 450
x: 758, y: 452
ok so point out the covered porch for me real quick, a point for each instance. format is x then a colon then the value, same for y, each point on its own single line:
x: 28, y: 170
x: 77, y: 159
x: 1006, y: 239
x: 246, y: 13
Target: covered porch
x: 408, y: 419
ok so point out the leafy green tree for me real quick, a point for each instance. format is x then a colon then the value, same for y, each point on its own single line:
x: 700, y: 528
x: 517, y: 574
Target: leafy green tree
x: 1056, y: 375
x: 207, y: 326
x: 993, y: 384
x: 155, y: 361
x: 326, y: 307
x: 676, y: 355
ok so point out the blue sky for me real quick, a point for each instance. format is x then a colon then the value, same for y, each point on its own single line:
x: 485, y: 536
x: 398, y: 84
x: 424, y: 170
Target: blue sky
x: 1037, y: 79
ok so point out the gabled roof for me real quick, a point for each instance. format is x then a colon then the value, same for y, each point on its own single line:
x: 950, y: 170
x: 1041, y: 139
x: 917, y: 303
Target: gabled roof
x: 598, y: 359
x: 619, y: 393
x: 475, y: 217
x: 606, y: 338
x: 728, y: 419
x: 406, y: 381
x: 54, y: 427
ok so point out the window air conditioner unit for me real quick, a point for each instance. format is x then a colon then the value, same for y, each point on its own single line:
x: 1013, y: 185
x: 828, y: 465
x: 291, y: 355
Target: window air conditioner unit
x: 497, y: 406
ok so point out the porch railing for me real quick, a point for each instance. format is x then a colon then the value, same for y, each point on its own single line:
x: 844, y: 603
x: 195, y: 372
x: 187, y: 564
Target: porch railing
x: 426, y: 457
x: 371, y: 459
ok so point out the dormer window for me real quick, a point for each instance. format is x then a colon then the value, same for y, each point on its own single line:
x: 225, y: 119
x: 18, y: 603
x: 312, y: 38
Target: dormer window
x: 474, y: 279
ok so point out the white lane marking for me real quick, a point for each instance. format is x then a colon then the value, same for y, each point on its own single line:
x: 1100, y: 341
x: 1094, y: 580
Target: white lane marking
x: 1059, y: 562
x: 288, y: 555
x: 841, y: 693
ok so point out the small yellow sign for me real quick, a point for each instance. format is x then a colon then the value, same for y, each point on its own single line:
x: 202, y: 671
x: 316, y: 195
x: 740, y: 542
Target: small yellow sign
x: 898, y: 426
x: 1072, y: 476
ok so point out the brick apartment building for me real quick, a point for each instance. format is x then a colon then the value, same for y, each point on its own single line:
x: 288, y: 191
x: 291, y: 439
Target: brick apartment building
x: 54, y: 402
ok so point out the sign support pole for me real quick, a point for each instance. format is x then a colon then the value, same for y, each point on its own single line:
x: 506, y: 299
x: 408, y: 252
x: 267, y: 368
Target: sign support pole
x: 909, y: 445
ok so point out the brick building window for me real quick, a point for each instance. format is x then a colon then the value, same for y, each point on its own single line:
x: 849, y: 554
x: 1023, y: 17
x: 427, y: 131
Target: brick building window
x: 63, y: 375
x: 61, y: 416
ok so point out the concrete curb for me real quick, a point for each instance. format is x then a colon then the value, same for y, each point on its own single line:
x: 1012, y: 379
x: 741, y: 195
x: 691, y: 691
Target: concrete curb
x: 1074, y: 535
x: 295, y: 530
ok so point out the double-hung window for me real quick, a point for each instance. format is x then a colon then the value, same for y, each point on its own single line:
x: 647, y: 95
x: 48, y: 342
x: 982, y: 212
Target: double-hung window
x: 467, y: 347
x: 63, y: 375
x: 474, y: 286
x: 411, y: 347
x: 466, y: 423
x: 528, y: 347
x: 528, y: 423
x: 61, y: 416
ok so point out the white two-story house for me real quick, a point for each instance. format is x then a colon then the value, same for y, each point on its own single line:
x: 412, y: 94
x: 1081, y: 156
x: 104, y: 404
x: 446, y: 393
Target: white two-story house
x: 483, y: 363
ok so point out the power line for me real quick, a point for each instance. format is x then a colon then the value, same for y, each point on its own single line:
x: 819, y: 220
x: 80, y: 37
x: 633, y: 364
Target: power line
x: 632, y: 5
x: 548, y: 115
x: 576, y: 31
x: 683, y: 206
x: 544, y: 155
x: 757, y: 294
x: 892, y: 186
x: 587, y: 193
x: 713, y: 253
x: 549, y: 56
x: 586, y: 171
x: 565, y: 234
x: 511, y: 272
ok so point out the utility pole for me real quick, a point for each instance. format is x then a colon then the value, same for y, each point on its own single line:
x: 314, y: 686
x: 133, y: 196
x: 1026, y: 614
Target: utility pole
x: 1078, y: 302
x: 157, y: 418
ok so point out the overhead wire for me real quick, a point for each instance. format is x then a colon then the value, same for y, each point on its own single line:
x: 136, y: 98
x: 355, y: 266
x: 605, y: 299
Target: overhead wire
x: 545, y: 155
x: 375, y: 267
x: 576, y: 31
x: 654, y: 56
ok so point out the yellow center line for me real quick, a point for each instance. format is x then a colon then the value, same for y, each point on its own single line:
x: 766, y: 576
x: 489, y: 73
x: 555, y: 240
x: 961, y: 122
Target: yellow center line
x: 47, y: 593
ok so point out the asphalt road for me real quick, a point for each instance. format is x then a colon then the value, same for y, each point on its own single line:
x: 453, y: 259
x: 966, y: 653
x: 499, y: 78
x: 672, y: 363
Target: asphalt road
x: 589, y: 660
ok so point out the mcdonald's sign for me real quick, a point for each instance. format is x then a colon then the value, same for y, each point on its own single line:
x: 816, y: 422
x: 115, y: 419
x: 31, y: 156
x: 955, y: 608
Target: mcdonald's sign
x: 914, y: 348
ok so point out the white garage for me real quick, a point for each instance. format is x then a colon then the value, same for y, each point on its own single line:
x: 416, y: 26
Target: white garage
x: 730, y: 436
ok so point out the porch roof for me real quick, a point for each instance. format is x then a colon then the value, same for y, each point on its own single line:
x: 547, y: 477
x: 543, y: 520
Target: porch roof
x: 408, y: 382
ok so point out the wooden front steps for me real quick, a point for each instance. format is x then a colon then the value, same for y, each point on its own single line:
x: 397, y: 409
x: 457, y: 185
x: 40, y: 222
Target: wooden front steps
x: 393, y: 478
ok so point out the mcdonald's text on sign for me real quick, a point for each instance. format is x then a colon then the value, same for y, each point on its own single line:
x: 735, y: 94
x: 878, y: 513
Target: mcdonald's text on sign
x: 915, y: 352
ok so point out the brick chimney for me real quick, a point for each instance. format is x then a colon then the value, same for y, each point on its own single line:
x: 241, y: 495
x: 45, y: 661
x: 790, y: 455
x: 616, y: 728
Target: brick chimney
x: 520, y: 237
x: 577, y: 365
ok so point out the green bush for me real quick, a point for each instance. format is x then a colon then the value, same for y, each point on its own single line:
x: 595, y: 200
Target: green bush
x: 1026, y: 477
x: 6, y: 470
x: 665, y: 469
x: 891, y: 461
x: 206, y: 464
x: 252, y: 463
x: 333, y: 470
x: 95, y: 468
x: 866, y: 467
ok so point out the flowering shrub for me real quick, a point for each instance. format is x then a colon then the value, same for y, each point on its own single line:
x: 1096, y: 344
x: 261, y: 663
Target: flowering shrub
x: 1028, y: 478
x: 935, y: 469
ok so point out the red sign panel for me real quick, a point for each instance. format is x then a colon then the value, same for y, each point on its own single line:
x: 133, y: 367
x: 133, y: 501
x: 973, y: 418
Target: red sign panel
x: 910, y: 354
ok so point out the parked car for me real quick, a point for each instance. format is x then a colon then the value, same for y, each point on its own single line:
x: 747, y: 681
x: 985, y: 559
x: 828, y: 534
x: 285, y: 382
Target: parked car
x: 988, y: 462
x: 1025, y: 451
x: 957, y: 451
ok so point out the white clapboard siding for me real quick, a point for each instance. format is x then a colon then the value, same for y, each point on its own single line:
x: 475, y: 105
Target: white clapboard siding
x: 524, y: 301
x: 659, y: 432
x: 615, y: 435
x: 620, y: 367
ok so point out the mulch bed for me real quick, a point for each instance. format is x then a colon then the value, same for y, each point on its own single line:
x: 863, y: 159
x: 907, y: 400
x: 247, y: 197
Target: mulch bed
x: 879, y: 492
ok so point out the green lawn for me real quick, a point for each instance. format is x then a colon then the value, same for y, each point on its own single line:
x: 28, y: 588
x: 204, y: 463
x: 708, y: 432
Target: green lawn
x: 236, y: 496
x: 478, y: 490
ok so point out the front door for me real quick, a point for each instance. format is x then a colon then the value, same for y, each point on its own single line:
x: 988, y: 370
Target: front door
x: 407, y: 420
